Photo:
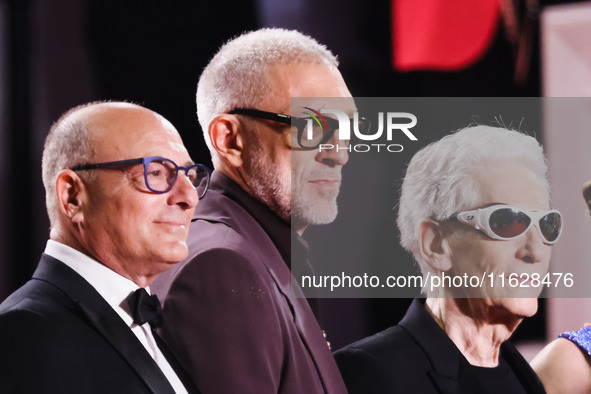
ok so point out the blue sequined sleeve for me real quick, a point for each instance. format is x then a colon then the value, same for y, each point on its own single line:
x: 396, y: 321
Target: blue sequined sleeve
x: 581, y: 338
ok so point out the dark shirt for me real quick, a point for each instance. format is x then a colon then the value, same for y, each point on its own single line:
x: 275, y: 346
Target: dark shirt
x: 500, y: 379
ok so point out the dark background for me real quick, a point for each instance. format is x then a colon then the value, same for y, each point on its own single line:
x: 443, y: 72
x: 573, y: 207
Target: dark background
x: 55, y: 54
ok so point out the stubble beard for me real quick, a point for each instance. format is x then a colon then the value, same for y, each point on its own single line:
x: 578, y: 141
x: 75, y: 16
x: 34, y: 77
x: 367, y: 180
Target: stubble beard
x: 268, y: 185
x: 292, y: 202
x: 311, y: 206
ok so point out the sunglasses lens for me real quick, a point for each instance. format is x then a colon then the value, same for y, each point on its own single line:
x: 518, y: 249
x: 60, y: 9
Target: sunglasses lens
x: 310, y: 137
x: 551, y: 225
x: 509, y: 223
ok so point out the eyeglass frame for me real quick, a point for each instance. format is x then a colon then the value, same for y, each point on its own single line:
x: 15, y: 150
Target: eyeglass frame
x: 476, y: 218
x: 145, y: 161
x: 298, y: 122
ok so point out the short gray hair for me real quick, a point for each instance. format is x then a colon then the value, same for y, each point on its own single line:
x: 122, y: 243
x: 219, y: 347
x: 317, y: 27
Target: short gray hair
x: 68, y: 143
x: 236, y: 76
x: 441, y: 179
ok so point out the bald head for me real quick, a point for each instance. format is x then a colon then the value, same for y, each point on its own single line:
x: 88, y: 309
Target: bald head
x: 98, y: 190
x: 90, y: 131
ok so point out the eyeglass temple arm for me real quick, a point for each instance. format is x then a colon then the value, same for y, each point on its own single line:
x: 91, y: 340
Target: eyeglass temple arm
x: 108, y: 164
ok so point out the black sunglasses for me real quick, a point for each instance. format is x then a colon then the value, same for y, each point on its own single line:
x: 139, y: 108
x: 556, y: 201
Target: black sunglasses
x: 306, y: 137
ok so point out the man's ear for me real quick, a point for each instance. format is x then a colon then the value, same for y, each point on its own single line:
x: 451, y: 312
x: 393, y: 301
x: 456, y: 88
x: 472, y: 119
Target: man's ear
x: 71, y: 195
x: 225, y: 133
x: 433, y: 245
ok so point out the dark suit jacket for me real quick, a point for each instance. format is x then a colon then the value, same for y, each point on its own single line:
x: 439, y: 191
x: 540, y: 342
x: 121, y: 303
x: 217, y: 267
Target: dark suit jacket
x: 416, y: 356
x: 58, y: 335
x: 233, y: 319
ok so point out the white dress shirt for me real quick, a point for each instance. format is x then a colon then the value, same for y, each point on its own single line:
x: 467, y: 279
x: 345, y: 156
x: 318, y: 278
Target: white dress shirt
x: 115, y: 289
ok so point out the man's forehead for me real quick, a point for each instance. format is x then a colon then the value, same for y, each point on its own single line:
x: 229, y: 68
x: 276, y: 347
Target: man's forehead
x: 318, y: 82
x: 298, y: 74
x: 514, y: 183
x: 302, y: 106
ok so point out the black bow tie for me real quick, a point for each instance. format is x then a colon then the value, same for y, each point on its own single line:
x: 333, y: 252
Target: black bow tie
x: 145, y: 308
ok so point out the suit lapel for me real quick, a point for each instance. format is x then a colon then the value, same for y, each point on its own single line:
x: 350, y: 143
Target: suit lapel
x: 306, y: 325
x: 175, y: 364
x: 214, y: 210
x: 304, y: 319
x: 105, y: 320
x: 443, y: 354
x: 317, y: 346
x: 444, y: 384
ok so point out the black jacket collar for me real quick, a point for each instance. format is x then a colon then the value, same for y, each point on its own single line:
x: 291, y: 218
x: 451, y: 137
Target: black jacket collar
x: 105, y: 320
x: 445, y: 356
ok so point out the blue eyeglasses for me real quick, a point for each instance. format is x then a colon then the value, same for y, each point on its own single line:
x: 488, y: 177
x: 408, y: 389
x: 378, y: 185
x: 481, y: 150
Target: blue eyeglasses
x: 160, y: 173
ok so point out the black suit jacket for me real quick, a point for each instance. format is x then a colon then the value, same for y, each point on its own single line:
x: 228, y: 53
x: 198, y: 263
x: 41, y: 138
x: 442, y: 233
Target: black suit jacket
x: 233, y: 319
x: 58, y: 335
x: 416, y: 356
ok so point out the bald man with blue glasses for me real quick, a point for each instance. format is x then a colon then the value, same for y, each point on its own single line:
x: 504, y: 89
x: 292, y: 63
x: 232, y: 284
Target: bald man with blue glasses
x: 120, y: 191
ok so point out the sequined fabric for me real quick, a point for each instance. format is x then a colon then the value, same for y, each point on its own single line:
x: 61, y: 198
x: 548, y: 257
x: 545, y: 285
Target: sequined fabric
x: 581, y: 338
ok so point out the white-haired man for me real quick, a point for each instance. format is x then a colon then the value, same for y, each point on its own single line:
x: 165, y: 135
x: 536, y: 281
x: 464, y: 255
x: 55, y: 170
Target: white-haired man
x: 474, y: 203
x: 238, y: 326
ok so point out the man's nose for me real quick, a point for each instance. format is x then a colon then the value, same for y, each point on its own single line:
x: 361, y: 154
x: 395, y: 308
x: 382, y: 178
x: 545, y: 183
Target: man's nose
x: 184, y: 192
x: 533, y: 250
x: 335, y: 152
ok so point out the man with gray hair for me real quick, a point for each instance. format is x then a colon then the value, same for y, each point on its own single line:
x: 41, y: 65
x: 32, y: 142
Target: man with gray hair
x: 475, y: 203
x: 120, y: 208
x: 239, y: 326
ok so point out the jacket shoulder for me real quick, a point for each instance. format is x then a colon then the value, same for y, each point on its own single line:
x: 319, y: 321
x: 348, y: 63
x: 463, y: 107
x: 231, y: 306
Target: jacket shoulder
x: 37, y: 297
x: 387, y: 362
x: 218, y: 248
x: 386, y: 346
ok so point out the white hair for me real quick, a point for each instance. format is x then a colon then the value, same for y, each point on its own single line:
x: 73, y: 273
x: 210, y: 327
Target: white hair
x: 442, y: 178
x: 68, y: 144
x: 236, y: 77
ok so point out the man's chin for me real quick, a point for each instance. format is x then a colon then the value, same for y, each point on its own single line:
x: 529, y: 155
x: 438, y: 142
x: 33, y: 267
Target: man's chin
x: 177, y: 251
x: 520, y: 307
x: 316, y: 215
